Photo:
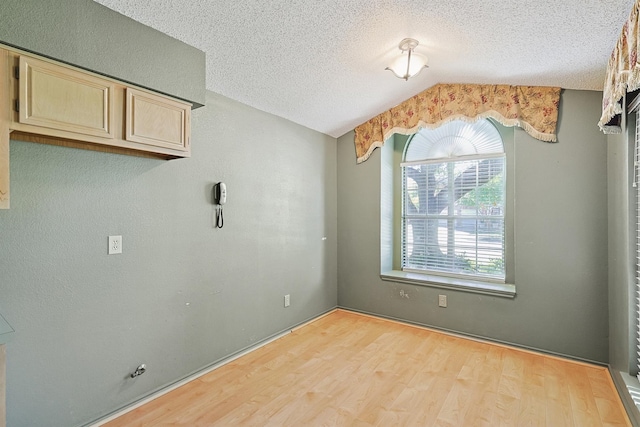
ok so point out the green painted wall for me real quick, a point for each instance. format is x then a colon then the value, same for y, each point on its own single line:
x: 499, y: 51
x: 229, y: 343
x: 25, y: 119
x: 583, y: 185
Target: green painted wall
x: 183, y: 294
x: 89, y: 35
x: 621, y: 202
x: 560, y: 245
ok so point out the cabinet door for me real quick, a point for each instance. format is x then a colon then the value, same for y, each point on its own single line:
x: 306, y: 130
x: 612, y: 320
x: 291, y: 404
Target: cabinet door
x: 62, y: 98
x: 158, y: 121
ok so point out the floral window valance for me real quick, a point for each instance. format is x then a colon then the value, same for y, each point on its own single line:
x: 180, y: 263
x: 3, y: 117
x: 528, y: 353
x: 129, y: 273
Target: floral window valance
x: 535, y: 109
x: 623, y: 73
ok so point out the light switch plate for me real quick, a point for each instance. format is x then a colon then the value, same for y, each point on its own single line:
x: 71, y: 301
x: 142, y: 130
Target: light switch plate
x: 115, y: 245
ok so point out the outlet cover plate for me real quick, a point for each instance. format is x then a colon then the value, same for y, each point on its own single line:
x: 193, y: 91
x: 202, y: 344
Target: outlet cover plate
x: 442, y: 301
x: 287, y: 300
x: 115, y: 245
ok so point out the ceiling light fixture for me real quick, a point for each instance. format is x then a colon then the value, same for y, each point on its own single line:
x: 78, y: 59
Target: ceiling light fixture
x: 409, y: 65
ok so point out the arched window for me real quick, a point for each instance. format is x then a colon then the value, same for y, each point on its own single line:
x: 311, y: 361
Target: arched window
x: 454, y: 200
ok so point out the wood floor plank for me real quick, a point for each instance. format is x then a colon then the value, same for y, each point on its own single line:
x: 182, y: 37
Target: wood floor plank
x: 481, y: 410
x: 456, y: 404
x: 530, y: 413
x: 557, y: 413
x: 609, y: 411
x: 347, y: 369
x: 581, y: 396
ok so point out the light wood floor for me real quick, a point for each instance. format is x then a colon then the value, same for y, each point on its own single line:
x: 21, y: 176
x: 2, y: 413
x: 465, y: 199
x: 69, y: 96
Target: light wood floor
x: 347, y: 369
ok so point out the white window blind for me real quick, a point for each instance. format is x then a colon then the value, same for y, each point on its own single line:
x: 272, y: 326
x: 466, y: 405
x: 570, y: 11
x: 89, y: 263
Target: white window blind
x: 454, y: 202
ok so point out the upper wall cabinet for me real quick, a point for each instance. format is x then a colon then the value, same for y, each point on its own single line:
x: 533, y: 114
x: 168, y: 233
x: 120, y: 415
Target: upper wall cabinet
x: 90, y: 111
x: 44, y: 101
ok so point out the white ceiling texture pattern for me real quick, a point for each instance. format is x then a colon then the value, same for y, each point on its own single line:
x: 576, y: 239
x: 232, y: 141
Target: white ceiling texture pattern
x: 322, y: 64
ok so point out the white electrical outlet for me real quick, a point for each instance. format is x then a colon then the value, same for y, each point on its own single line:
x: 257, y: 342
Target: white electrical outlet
x: 287, y: 300
x: 442, y: 301
x: 115, y: 245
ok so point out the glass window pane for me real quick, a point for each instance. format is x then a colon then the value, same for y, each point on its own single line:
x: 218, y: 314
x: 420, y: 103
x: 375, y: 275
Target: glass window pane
x: 453, y: 214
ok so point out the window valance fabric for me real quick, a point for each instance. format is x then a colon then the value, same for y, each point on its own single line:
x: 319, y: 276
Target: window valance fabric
x: 623, y: 73
x: 535, y: 109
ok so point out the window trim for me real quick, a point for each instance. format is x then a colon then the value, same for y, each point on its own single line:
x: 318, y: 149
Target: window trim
x: 391, y: 154
x: 485, y: 287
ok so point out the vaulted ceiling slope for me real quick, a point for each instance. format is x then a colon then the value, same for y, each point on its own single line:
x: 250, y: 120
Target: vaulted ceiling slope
x: 321, y: 63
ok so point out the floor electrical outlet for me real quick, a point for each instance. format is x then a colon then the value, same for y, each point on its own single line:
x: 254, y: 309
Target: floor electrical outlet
x: 442, y: 301
x: 115, y: 245
x: 287, y: 300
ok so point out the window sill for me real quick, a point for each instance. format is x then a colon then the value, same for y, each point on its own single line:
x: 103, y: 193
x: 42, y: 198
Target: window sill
x: 474, y: 286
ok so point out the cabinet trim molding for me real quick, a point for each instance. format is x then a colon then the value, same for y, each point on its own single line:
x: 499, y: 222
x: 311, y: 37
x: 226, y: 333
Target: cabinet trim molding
x: 5, y: 102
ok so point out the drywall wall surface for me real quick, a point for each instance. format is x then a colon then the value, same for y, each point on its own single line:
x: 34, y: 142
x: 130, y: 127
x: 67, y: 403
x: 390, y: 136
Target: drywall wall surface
x: 183, y: 294
x: 89, y: 35
x: 3, y: 401
x: 621, y: 202
x: 560, y: 245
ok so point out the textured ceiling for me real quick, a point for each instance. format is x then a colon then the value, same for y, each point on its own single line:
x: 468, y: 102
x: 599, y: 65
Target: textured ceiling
x: 321, y: 63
